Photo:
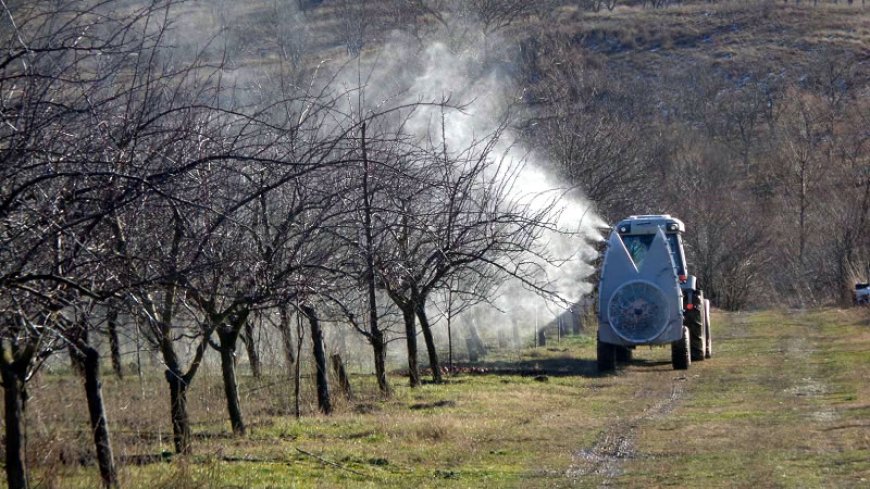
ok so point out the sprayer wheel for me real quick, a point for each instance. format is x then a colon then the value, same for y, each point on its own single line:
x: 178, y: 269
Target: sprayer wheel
x: 606, y: 357
x: 708, y: 351
x: 623, y: 354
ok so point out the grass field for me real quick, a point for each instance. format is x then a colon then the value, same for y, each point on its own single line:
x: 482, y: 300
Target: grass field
x: 783, y: 403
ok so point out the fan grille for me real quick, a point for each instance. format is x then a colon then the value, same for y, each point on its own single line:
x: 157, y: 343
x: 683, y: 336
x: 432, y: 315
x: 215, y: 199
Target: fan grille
x: 638, y: 312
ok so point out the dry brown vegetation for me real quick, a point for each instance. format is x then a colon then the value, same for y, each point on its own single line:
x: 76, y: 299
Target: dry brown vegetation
x: 742, y: 118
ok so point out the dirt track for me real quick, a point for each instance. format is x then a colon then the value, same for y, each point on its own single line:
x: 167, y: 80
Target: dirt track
x: 783, y: 403
x: 616, y: 444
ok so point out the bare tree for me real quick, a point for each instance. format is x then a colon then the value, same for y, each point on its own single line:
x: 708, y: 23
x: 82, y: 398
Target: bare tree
x: 68, y: 132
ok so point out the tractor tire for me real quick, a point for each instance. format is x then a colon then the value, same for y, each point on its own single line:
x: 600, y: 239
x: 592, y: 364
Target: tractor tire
x: 694, y: 320
x: 681, y: 356
x: 606, y: 357
x: 623, y: 354
x: 708, y: 351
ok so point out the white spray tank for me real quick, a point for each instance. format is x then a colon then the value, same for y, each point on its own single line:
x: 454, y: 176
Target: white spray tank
x: 639, y: 306
x: 646, y: 296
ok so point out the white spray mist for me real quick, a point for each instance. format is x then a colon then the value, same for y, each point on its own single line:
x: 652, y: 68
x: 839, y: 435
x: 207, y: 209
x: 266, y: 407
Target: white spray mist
x: 565, y: 251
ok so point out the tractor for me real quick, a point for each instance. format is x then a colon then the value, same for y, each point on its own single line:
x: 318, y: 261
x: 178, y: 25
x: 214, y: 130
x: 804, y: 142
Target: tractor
x: 647, y: 297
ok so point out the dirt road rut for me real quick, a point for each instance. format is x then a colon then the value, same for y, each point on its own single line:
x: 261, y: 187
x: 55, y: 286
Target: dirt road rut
x: 616, y: 443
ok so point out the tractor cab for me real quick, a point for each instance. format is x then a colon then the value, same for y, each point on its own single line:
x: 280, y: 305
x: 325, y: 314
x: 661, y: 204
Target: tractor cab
x: 637, y: 233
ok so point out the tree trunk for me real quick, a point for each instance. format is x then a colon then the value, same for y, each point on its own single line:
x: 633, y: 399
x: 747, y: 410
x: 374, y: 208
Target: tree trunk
x: 341, y: 375
x: 376, y: 336
x: 178, y: 381
x: 178, y: 406
x: 341, y: 344
x: 228, y: 337
x: 14, y: 397
x: 114, y: 342
x: 287, y: 341
x: 426, y: 328
x: 99, y: 422
x: 411, y: 341
x: 502, y: 339
x: 323, y: 400
x: 251, y: 348
x: 379, y: 347
x: 450, y: 329
x: 297, y: 368
x: 75, y: 362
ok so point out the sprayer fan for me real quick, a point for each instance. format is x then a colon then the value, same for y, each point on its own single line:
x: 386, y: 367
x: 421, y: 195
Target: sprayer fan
x: 638, y: 312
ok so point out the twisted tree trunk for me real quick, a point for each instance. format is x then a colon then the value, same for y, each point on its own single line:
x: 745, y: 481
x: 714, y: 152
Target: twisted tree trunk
x: 341, y: 375
x: 178, y: 410
x: 228, y: 337
x: 379, y: 347
x: 376, y: 336
x: 251, y: 348
x: 324, y: 402
x: 408, y: 315
x: 426, y: 328
x: 287, y: 341
x: 179, y: 381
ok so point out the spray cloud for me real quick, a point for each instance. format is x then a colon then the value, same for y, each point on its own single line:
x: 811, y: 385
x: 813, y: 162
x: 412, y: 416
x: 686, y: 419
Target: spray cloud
x: 435, y: 72
x: 403, y: 71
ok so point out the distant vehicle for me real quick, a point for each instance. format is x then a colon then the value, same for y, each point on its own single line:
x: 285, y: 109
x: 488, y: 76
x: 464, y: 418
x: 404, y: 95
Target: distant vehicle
x: 647, y: 297
x: 862, y: 294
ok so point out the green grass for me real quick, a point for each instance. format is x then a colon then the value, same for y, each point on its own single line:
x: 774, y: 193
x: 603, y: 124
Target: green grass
x: 783, y: 403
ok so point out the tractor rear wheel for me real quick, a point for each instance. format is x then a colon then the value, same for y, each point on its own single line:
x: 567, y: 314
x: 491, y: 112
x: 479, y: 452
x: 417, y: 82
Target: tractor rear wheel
x: 694, y: 320
x: 708, y: 351
x: 606, y: 357
x: 681, y: 356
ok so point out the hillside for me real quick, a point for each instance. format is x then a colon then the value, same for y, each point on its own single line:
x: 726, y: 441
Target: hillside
x: 731, y: 38
x: 734, y: 37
